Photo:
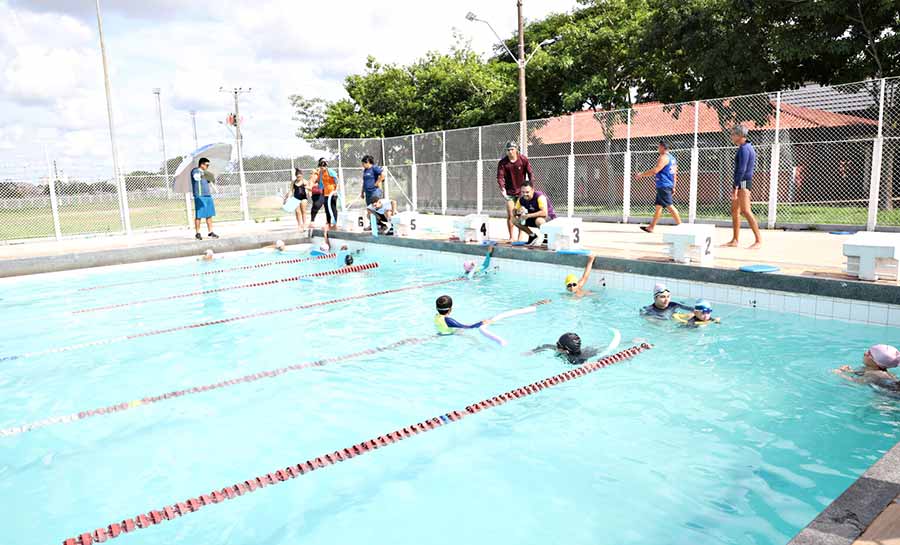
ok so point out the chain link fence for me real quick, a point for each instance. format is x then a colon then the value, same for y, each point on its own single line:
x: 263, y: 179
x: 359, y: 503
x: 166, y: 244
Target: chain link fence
x: 826, y: 155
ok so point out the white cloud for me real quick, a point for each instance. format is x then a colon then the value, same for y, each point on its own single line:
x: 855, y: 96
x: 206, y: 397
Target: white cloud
x: 52, y: 88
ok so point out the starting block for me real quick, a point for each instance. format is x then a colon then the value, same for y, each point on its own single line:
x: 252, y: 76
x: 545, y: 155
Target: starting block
x: 405, y: 223
x: 563, y: 234
x: 353, y: 220
x: 691, y: 242
x: 871, y: 256
x: 472, y: 228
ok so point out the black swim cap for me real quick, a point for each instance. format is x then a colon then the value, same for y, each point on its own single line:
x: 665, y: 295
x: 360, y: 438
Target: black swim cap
x: 570, y: 342
x: 348, y: 260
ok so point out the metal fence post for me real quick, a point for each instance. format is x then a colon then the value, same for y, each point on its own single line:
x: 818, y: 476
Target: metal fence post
x: 695, y: 167
x: 343, y: 184
x: 51, y: 188
x: 444, y: 173
x: 775, y: 168
x: 626, y: 182
x: 479, y: 199
x: 570, y: 185
x: 413, y: 176
x: 875, y: 179
x: 384, y: 163
x: 188, y: 205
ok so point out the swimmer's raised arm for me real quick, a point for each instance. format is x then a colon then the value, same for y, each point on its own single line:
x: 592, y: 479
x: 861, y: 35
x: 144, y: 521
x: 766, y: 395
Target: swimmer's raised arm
x: 587, y: 272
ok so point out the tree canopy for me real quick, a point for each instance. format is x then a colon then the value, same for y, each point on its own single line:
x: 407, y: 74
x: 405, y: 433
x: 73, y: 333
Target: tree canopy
x: 611, y: 53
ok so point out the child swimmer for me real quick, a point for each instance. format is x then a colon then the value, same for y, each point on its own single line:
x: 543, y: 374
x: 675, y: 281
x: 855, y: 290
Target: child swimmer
x: 446, y: 325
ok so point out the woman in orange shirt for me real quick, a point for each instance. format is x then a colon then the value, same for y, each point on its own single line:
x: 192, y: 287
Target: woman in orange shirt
x: 325, y: 193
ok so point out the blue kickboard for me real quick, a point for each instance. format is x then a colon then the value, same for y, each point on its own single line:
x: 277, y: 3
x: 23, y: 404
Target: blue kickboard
x: 840, y: 233
x: 759, y: 268
x: 574, y: 252
x: 519, y: 243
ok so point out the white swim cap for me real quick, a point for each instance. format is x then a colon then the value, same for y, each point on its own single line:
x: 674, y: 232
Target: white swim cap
x: 279, y: 244
x: 323, y: 247
x: 209, y: 253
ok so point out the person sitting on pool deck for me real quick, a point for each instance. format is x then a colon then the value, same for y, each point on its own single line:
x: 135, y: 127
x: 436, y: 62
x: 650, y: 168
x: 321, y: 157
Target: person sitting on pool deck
x: 469, y: 266
x: 876, y: 362
x: 569, y: 347
x: 533, y: 209
x: 702, y: 315
x: 663, y: 307
x: 575, y: 286
x: 444, y: 323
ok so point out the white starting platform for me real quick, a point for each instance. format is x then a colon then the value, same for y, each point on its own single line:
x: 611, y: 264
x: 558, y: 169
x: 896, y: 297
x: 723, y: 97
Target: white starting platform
x: 691, y: 243
x: 405, y: 224
x: 472, y: 228
x: 563, y: 234
x: 871, y: 256
x: 353, y: 220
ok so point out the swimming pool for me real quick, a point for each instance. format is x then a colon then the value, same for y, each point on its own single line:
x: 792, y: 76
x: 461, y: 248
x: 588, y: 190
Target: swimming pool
x: 736, y: 433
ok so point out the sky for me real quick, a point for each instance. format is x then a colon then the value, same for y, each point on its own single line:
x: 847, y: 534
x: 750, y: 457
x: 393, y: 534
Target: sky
x: 52, y: 93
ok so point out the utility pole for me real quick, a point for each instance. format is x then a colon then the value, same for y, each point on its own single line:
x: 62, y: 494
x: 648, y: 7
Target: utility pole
x: 523, y: 97
x: 237, y: 92
x: 194, y: 123
x: 123, y: 194
x: 162, y: 140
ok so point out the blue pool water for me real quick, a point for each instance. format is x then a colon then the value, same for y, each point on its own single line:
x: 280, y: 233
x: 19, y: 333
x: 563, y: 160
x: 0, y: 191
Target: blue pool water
x: 737, y: 433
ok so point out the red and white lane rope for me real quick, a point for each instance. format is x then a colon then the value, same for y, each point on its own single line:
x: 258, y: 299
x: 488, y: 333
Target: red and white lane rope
x: 342, y: 270
x: 173, y: 511
x: 272, y: 373
x: 217, y: 271
x: 227, y: 320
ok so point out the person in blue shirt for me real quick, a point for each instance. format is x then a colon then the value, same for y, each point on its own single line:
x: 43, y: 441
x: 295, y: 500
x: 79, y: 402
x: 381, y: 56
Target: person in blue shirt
x: 665, y: 171
x: 744, y: 165
x: 204, y: 206
x: 373, y: 180
x: 446, y: 325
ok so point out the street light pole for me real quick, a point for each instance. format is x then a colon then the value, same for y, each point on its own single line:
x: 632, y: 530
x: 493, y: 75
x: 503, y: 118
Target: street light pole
x: 237, y: 91
x: 123, y: 195
x: 523, y: 97
x: 162, y: 140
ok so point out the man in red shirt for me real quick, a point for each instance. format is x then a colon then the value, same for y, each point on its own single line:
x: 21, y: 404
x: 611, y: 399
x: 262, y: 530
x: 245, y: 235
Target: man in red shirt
x: 512, y: 171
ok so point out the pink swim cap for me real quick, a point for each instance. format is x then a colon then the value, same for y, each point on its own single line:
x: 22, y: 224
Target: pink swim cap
x: 886, y: 356
x: 468, y: 266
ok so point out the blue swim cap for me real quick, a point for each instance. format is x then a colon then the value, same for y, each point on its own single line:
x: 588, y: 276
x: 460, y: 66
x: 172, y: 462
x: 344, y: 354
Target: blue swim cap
x: 703, y: 306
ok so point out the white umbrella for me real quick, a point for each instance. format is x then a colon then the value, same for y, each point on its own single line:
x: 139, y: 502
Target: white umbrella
x: 219, y: 156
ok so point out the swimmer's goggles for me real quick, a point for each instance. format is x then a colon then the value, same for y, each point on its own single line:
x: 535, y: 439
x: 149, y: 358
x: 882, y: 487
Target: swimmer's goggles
x: 571, y: 285
x: 703, y: 308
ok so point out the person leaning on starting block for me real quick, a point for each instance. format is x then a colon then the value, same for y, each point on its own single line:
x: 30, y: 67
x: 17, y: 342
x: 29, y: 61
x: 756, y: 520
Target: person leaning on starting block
x: 444, y: 323
x: 382, y: 209
x: 576, y: 286
x: 533, y: 209
x: 569, y: 348
x: 876, y: 362
x: 663, y: 307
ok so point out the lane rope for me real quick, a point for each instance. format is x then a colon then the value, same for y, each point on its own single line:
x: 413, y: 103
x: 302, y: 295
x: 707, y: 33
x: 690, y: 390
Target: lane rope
x: 218, y: 271
x: 192, y: 505
x: 227, y: 320
x: 272, y: 373
x: 342, y: 270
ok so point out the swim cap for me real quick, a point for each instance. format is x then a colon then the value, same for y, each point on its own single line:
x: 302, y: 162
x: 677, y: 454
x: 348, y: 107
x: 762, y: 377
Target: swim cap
x: 323, y: 247
x: 279, y: 244
x: 468, y: 266
x: 660, y: 288
x: 885, y: 355
x: 571, y: 279
x: 703, y: 305
x: 209, y: 253
x: 570, y: 342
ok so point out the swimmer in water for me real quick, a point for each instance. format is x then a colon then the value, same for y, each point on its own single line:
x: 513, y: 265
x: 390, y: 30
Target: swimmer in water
x: 446, y: 325
x: 569, y: 348
x: 663, y: 308
x: 469, y: 266
x: 575, y: 286
x: 208, y: 255
x: 348, y: 260
x: 876, y: 362
x: 702, y: 315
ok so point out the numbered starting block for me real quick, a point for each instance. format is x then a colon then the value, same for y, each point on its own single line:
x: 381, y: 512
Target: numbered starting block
x: 472, y: 228
x: 405, y: 223
x: 562, y: 234
x: 871, y: 256
x: 353, y: 220
x: 691, y: 243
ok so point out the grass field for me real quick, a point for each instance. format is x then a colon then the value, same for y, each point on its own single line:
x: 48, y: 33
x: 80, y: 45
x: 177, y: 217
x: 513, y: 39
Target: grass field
x: 153, y: 213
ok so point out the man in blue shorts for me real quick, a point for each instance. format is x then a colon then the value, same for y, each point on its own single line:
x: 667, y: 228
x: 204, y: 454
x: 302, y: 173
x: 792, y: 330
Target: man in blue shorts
x: 373, y: 179
x: 665, y: 171
x: 204, y: 207
x: 744, y: 167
